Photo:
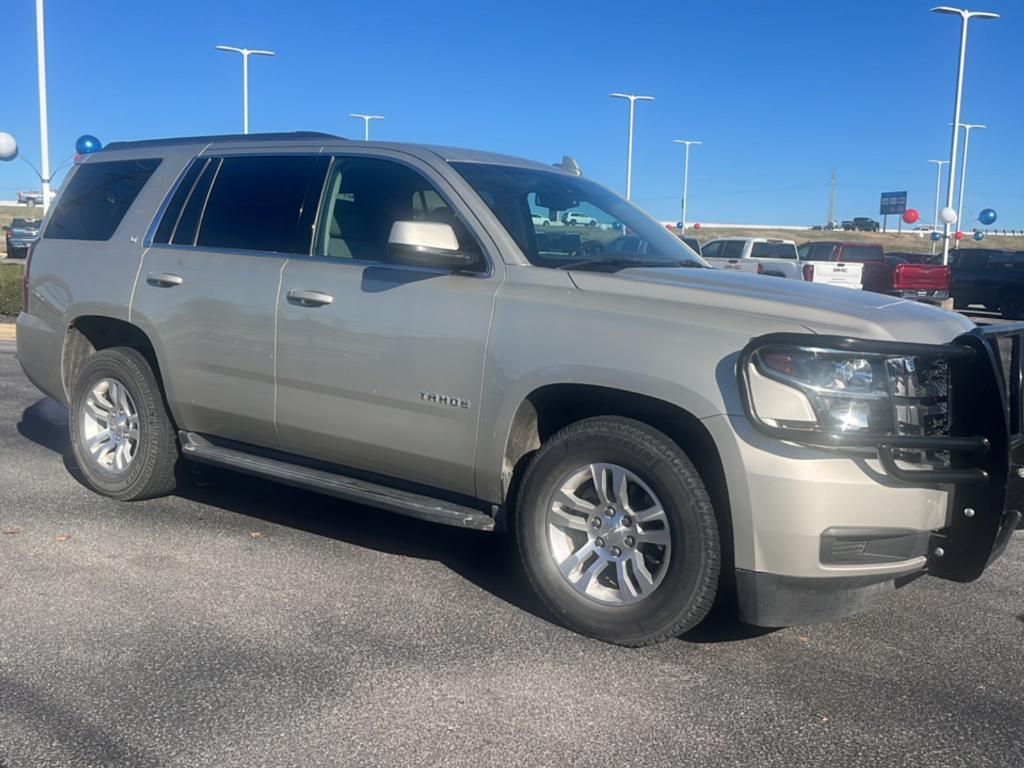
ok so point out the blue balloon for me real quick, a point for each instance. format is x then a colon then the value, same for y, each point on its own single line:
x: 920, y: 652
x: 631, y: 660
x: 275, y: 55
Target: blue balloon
x: 936, y: 236
x: 979, y: 235
x: 987, y: 217
x: 86, y: 144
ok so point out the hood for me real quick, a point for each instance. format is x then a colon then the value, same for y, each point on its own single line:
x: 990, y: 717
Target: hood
x: 821, y: 309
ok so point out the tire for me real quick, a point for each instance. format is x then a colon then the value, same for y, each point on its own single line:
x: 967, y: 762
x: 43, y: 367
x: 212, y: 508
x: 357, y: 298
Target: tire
x: 682, y: 577
x: 145, y: 468
x: 1011, y: 306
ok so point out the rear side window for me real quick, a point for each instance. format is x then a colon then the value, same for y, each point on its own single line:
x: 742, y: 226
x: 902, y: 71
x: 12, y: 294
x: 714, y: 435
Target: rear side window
x: 184, y: 231
x: 177, y: 201
x: 97, y: 198
x: 733, y: 249
x: 256, y: 202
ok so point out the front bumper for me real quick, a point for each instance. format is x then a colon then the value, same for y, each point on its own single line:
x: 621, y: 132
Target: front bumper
x: 828, y: 530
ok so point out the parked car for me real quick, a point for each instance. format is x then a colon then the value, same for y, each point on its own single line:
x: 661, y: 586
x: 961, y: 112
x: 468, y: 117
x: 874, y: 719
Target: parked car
x: 19, y: 236
x: 758, y: 255
x: 540, y: 221
x: 30, y: 198
x: 377, y: 323
x: 989, y: 277
x: 895, y: 276
x: 577, y: 219
x: 862, y: 224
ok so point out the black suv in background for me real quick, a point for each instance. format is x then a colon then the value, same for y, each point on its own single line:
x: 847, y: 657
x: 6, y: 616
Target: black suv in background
x: 991, y: 278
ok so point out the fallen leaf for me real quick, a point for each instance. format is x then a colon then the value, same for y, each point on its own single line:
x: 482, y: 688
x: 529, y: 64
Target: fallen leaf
x: 803, y: 639
x: 62, y: 537
x: 12, y: 531
x: 255, y: 535
x: 822, y: 717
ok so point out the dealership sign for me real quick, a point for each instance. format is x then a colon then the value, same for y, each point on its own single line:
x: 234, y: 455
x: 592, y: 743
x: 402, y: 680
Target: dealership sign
x: 893, y: 202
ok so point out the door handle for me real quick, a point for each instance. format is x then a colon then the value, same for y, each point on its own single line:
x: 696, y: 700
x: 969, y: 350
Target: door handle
x: 163, y: 279
x: 309, y: 298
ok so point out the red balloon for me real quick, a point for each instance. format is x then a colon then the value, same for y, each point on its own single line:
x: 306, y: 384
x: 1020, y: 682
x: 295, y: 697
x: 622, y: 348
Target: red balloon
x: 910, y: 216
x: 697, y: 227
x: 959, y: 235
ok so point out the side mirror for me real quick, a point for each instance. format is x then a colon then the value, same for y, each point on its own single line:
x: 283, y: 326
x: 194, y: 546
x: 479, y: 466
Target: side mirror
x: 429, y: 244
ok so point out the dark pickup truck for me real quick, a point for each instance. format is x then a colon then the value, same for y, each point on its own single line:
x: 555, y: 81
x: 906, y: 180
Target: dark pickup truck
x: 994, y: 279
x: 892, y: 275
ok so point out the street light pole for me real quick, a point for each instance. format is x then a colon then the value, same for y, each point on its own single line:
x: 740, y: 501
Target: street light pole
x: 366, y: 123
x: 965, y: 17
x: 968, y: 127
x: 686, y: 175
x: 938, y: 188
x: 629, y: 152
x: 44, y: 131
x: 246, y: 53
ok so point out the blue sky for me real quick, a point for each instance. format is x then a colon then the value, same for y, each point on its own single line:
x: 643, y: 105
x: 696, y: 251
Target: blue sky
x: 779, y: 92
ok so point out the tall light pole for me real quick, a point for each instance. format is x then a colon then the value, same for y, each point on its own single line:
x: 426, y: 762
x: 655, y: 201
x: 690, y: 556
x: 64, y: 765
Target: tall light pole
x: 965, y: 17
x: 968, y: 127
x: 686, y: 174
x: 246, y: 53
x: 629, y: 153
x: 938, y: 188
x: 44, y: 131
x: 366, y: 123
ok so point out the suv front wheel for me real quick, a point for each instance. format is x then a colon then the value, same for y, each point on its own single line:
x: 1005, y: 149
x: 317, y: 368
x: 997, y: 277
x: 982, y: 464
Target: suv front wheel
x: 617, y: 533
x: 121, y: 434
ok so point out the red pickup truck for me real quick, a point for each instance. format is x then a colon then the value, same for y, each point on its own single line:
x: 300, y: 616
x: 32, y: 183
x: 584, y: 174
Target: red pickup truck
x: 893, y: 275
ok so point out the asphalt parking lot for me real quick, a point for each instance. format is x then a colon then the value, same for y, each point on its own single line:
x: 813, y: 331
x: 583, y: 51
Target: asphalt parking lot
x: 245, y: 624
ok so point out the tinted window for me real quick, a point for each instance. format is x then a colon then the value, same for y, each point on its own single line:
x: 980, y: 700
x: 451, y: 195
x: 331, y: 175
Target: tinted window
x: 773, y: 251
x: 184, y: 232
x: 366, y: 196
x: 256, y: 202
x: 822, y: 252
x: 804, y: 252
x: 178, y: 198
x: 97, y: 198
x: 861, y: 253
x: 732, y: 249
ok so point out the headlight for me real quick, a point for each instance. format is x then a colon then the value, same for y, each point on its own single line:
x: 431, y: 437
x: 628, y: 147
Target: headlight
x: 823, y: 390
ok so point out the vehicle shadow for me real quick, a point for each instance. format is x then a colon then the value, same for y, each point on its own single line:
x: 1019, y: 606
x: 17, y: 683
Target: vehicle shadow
x: 488, y: 560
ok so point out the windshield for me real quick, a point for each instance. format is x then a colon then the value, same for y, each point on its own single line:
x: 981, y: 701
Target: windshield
x: 559, y: 220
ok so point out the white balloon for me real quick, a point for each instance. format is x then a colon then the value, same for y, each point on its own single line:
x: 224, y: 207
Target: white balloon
x: 8, y: 147
x: 947, y: 215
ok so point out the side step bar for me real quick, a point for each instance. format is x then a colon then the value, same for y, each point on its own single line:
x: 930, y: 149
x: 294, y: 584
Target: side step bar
x: 200, y: 449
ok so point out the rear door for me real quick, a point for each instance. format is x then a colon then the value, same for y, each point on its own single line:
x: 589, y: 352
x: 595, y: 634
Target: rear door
x: 380, y: 364
x: 207, y: 289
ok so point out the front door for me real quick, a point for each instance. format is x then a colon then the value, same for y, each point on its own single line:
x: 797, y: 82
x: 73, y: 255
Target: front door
x: 380, y: 364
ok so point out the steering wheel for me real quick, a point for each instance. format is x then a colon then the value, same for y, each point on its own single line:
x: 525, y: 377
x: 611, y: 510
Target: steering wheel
x: 589, y: 249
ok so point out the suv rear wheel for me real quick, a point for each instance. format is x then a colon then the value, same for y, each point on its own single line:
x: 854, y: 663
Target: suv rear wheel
x: 617, y: 533
x: 121, y: 434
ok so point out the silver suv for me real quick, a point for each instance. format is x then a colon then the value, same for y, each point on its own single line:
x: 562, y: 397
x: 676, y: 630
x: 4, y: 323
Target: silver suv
x: 390, y: 324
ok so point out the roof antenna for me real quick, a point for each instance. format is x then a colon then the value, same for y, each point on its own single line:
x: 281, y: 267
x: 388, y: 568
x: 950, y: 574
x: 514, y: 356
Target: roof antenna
x: 570, y: 165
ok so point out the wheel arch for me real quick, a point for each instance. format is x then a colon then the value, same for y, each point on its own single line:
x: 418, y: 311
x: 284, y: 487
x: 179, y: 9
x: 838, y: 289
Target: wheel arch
x: 88, y: 334
x: 550, y: 407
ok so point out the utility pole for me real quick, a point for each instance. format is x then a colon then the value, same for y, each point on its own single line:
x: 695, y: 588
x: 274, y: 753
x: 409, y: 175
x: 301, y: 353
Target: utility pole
x: 832, y: 200
x: 44, y: 138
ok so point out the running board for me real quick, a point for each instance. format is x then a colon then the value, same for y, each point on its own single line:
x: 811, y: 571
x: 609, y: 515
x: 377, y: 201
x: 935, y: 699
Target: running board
x: 200, y: 449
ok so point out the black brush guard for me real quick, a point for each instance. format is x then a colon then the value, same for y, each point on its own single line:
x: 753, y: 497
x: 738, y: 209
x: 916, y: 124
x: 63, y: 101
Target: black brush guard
x: 985, y: 441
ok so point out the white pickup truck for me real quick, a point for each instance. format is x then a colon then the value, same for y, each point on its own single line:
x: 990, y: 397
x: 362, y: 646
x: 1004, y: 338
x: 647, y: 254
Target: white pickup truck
x: 757, y: 255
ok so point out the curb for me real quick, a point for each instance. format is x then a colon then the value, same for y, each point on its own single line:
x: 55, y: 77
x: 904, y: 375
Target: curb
x: 7, y: 331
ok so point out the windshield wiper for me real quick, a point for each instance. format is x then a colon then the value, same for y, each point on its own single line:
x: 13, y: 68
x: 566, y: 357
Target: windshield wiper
x: 614, y: 265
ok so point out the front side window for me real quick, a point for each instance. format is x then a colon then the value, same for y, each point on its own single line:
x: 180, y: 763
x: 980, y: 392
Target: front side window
x: 364, y: 198
x: 561, y: 221
x: 256, y: 203
x: 712, y: 250
x: 97, y: 198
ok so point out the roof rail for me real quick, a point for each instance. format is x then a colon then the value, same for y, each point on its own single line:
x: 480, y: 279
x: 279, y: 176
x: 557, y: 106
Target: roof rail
x: 240, y: 137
